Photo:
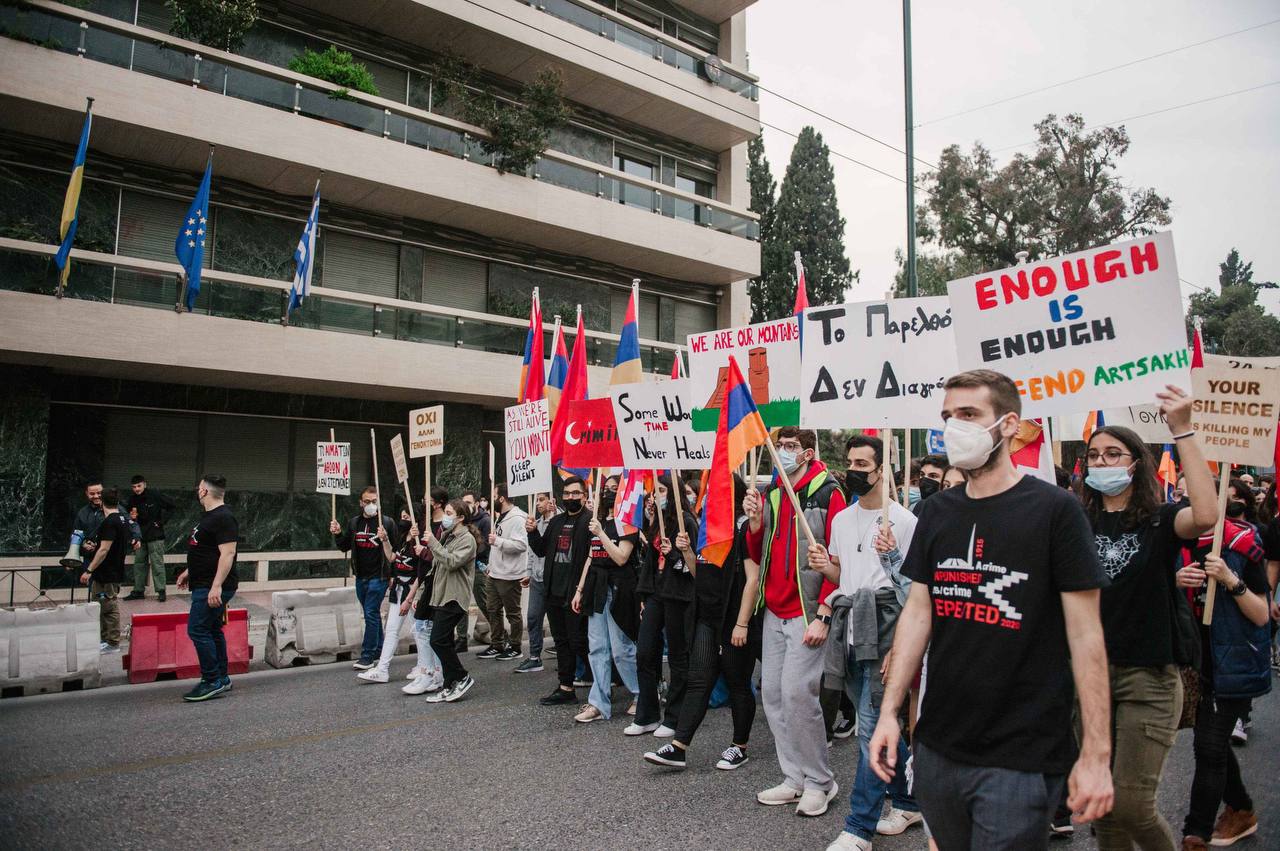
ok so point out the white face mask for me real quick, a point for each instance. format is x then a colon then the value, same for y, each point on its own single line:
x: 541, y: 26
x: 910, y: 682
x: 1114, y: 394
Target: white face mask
x: 371, y: 510
x: 447, y: 522
x: 969, y: 444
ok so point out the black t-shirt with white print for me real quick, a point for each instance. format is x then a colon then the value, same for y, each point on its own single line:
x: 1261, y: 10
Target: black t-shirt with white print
x: 217, y: 526
x: 1000, y: 688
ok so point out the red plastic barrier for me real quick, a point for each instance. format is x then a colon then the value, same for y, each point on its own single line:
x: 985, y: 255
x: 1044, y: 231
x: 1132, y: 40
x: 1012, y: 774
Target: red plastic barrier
x: 158, y: 644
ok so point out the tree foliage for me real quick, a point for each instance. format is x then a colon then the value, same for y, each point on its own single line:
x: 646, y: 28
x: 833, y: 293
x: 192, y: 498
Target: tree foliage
x: 1064, y: 197
x: 335, y: 66
x: 1232, y: 321
x: 932, y: 272
x: 217, y: 23
x: 775, y: 279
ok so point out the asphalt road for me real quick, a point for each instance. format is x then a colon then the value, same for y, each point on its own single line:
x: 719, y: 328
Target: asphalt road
x: 312, y: 757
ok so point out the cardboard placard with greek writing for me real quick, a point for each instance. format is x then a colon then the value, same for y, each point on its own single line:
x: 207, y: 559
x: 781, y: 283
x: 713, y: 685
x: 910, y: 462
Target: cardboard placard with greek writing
x: 1235, y: 410
x: 655, y: 427
x: 333, y: 468
x: 1101, y: 328
x: 876, y: 364
x: 398, y: 458
x: 528, y: 434
x: 768, y: 355
x: 426, y: 431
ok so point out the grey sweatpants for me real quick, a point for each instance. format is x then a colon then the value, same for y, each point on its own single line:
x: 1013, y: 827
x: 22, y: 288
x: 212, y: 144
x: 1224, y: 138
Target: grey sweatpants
x: 791, y: 674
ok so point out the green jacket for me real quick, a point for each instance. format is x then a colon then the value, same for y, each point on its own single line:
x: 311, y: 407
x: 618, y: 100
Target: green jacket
x: 454, y: 561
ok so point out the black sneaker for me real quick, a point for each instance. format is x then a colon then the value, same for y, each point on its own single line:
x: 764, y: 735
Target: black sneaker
x: 1062, y: 826
x: 203, y: 691
x: 489, y: 653
x: 530, y: 666
x: 560, y: 697
x: 460, y: 688
x: 135, y: 595
x: 508, y: 654
x: 160, y: 597
x: 732, y: 757
x: 550, y: 651
x: 226, y: 683
x: 844, y: 728
x: 363, y: 664
x: 668, y: 755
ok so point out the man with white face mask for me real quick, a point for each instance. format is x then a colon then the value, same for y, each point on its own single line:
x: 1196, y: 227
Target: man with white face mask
x: 369, y: 564
x: 1006, y: 599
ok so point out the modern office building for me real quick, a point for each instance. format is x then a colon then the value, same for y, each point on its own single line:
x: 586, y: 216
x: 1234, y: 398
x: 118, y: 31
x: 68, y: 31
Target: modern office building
x: 426, y: 257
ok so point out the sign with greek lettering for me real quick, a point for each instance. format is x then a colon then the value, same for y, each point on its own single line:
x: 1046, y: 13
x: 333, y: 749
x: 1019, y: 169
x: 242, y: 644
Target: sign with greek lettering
x: 655, y: 427
x: 528, y: 432
x: 397, y: 457
x: 1235, y: 409
x: 876, y: 364
x: 426, y: 431
x: 333, y: 468
x: 769, y: 356
x: 1101, y: 328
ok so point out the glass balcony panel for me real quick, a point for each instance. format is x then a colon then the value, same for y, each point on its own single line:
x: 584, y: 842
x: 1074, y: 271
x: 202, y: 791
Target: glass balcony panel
x: 418, y: 327
x: 503, y: 339
x: 338, y: 110
x: 165, y: 62
x: 574, y: 14
x: 260, y: 89
x: 568, y: 176
x: 112, y: 48
x: 637, y: 41
x: 34, y: 27
x: 145, y: 289
x: 235, y: 301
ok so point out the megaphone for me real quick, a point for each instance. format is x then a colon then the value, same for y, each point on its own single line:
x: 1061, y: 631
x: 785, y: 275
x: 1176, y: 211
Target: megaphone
x: 72, y: 558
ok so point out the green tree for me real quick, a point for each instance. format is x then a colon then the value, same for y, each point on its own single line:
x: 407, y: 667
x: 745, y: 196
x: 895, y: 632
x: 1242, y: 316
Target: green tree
x: 1232, y: 321
x: 774, y: 281
x: 217, y: 23
x: 932, y: 272
x: 807, y: 219
x: 1065, y: 196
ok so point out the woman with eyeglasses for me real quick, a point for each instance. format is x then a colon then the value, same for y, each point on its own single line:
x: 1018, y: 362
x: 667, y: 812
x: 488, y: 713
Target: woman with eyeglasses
x: 1139, y: 538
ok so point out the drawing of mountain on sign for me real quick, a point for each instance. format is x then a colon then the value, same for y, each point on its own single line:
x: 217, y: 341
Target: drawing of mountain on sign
x: 774, y: 412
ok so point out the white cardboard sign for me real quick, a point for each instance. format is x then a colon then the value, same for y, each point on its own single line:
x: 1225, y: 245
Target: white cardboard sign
x: 768, y: 355
x: 426, y: 431
x: 333, y: 468
x: 1101, y: 328
x: 1235, y: 409
x: 655, y: 427
x: 876, y: 364
x: 528, y: 437
x: 397, y: 457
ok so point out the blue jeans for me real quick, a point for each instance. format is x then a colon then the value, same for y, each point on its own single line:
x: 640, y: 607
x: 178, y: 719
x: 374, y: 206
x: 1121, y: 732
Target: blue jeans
x: 533, y: 618
x: 204, y: 628
x: 370, y: 593
x: 609, y: 646
x: 867, y: 796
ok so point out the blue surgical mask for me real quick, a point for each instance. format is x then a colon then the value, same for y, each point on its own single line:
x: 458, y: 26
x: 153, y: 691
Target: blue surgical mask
x: 662, y: 503
x: 789, y: 460
x: 1109, y: 481
x: 447, y: 522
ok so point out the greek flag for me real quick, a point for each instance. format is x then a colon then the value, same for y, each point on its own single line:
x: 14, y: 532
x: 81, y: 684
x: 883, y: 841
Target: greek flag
x: 303, y: 256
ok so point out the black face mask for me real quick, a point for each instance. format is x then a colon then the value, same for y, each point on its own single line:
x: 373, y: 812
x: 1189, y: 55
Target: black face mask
x: 855, y: 482
x: 572, y: 506
x: 1235, y: 509
x: 607, y: 498
x: 928, y: 487
x: 403, y: 527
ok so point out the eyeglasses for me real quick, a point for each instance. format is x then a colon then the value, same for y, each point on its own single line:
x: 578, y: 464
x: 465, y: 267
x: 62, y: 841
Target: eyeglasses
x: 572, y: 494
x: 1110, y: 456
x: 791, y: 445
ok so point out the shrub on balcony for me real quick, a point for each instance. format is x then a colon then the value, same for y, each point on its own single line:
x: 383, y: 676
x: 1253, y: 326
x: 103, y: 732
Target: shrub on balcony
x: 217, y: 23
x: 335, y: 66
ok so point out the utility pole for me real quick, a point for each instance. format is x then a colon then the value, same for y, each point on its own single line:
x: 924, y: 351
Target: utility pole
x: 913, y: 438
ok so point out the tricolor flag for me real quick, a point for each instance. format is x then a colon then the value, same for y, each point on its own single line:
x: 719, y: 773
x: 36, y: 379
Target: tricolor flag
x: 1167, y: 472
x: 628, y: 510
x: 189, y: 246
x: 575, y: 390
x: 532, y: 372
x: 626, y: 365
x: 304, y: 256
x: 740, y: 430
x: 802, y: 300
x: 559, y: 369
x: 1092, y: 423
x: 71, y: 204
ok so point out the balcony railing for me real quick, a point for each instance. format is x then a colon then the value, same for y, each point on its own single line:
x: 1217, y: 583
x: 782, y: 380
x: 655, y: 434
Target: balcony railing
x: 103, y: 39
x: 27, y: 267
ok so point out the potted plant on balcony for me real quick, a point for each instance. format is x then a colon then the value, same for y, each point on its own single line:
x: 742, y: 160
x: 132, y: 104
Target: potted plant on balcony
x: 217, y: 23
x: 335, y: 66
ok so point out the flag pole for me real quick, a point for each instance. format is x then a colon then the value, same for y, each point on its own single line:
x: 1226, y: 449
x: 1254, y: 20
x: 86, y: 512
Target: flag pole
x: 377, y: 487
x: 1224, y: 487
x: 886, y: 477
x: 333, y: 498
x: 791, y: 493
x: 662, y: 524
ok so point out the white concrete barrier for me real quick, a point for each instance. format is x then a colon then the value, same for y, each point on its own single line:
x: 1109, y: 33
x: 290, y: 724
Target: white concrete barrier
x: 46, y: 650
x: 315, y: 627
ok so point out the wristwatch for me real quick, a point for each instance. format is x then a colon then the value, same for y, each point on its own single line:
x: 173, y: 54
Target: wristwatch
x: 825, y: 619
x: 1239, y: 588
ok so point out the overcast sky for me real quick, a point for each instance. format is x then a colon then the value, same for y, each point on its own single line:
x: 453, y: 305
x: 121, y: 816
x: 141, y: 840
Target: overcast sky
x: 1219, y: 162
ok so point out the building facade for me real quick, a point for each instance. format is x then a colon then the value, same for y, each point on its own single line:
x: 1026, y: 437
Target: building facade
x: 426, y: 256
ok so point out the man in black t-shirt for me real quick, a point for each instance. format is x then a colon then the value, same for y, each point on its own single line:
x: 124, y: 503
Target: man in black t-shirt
x: 106, y: 571
x: 370, y: 567
x: 211, y: 563
x: 1005, y: 596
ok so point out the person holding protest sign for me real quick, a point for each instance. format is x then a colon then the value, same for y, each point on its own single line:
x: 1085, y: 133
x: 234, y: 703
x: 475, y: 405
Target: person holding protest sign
x: 427, y: 675
x: 454, y: 560
x: 405, y: 576
x: 508, y: 568
x: 667, y: 616
x: 545, y: 508
x: 796, y: 618
x: 1138, y: 538
x: 360, y: 537
x: 564, y: 544
x: 1005, y: 597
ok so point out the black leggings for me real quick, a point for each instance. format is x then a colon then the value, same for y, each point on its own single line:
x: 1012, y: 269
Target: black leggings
x: 443, y: 620
x: 674, y: 620
x: 1217, y: 778
x: 569, y: 629
x: 709, y: 658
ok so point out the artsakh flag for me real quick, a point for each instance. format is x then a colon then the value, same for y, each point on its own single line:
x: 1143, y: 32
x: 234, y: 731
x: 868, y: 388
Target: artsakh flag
x: 575, y: 390
x: 740, y: 430
x: 628, y: 510
x: 532, y: 375
x: 802, y: 300
x: 559, y: 370
x: 626, y: 365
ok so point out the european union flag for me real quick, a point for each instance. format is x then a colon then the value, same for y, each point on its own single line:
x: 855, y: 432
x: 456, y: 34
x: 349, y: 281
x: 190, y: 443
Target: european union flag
x: 190, y: 243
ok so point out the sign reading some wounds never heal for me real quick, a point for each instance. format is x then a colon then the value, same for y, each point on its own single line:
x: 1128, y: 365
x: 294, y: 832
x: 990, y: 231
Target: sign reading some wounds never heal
x: 333, y: 468
x: 1101, y: 328
x: 528, y: 438
x: 876, y: 364
x: 426, y: 431
x: 655, y: 427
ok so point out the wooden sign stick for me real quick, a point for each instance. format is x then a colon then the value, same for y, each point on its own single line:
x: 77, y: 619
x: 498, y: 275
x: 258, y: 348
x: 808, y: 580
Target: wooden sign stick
x: 333, y: 497
x: 791, y: 493
x: 377, y: 487
x: 886, y: 477
x: 1224, y: 485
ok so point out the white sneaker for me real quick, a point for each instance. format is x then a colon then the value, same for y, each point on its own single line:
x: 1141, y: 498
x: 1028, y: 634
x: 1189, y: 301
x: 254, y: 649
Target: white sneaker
x: 814, y: 802
x: 897, y: 821
x: 435, y: 683
x: 420, y: 685
x: 415, y: 673
x: 778, y: 795
x: 664, y: 732
x: 634, y: 729
x: 1240, y: 734
x: 374, y: 675
x: 848, y: 842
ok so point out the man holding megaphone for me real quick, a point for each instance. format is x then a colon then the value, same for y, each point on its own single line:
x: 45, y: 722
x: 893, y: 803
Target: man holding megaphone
x: 84, y: 533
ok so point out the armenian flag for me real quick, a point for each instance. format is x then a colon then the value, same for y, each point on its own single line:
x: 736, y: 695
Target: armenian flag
x: 1092, y: 423
x: 740, y: 430
x: 71, y: 204
x: 532, y: 375
x: 1167, y: 472
x: 575, y: 390
x: 559, y: 370
x: 802, y: 300
x: 626, y: 365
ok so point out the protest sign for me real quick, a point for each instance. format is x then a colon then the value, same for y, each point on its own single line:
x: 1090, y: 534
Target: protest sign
x: 1101, y: 328
x: 1235, y: 410
x: 876, y: 364
x: 1145, y: 420
x: 655, y: 427
x: 397, y: 457
x: 426, y: 431
x: 333, y: 468
x: 591, y: 436
x: 770, y: 355
x: 528, y: 433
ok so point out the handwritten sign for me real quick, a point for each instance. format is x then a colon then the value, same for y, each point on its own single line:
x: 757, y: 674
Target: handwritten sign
x: 1235, y: 409
x: 1101, y: 328
x: 769, y: 355
x: 591, y: 435
x: 333, y: 468
x: 397, y: 457
x: 426, y: 431
x: 655, y: 427
x: 528, y: 431
x: 1146, y: 421
x: 876, y: 364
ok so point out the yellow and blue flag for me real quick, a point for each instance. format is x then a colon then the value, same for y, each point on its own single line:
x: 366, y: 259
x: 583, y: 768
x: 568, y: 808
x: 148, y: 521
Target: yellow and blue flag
x: 189, y: 246
x: 71, y: 205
